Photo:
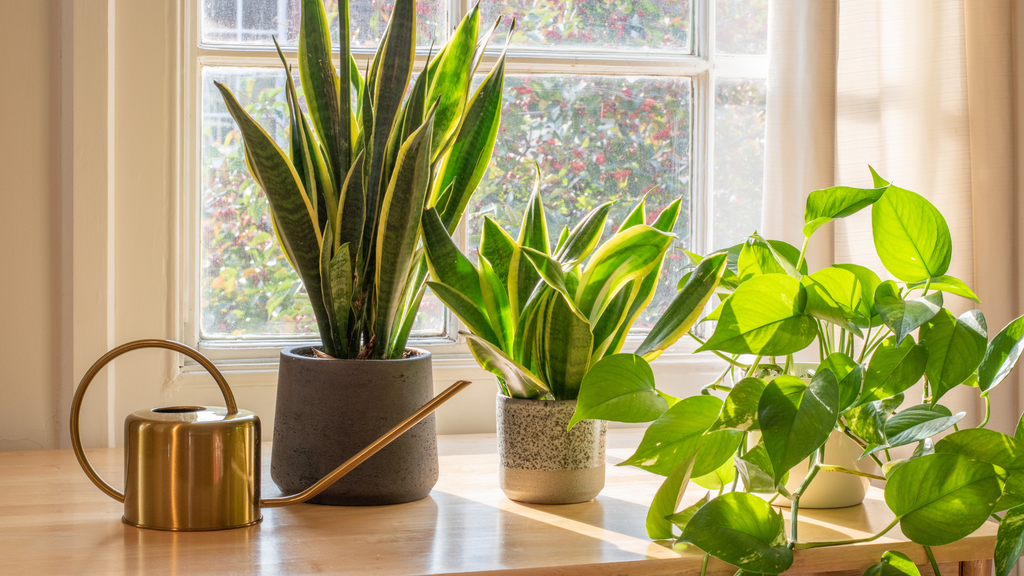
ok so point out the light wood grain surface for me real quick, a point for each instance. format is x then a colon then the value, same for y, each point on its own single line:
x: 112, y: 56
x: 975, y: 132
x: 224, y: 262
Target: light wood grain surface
x: 53, y: 520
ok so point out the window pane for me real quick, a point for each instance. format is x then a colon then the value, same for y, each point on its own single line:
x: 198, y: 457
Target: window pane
x: 739, y: 159
x: 257, y: 21
x: 247, y: 287
x: 741, y: 26
x: 596, y: 24
x: 596, y: 139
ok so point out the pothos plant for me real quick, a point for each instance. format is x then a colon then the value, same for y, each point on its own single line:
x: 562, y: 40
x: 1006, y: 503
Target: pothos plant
x: 347, y: 197
x: 868, y: 359
x: 538, y: 317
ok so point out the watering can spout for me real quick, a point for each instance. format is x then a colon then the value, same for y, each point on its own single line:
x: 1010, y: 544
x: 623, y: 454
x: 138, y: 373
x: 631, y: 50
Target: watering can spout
x: 198, y: 467
x: 365, y: 453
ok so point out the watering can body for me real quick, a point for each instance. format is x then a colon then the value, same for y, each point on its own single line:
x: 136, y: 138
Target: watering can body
x: 190, y: 468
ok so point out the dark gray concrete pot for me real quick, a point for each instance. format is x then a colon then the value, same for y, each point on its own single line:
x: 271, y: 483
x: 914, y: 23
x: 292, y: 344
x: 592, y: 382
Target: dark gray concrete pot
x: 539, y: 461
x: 328, y: 410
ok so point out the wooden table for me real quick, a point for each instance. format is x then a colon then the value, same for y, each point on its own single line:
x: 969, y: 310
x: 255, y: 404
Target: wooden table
x: 53, y: 520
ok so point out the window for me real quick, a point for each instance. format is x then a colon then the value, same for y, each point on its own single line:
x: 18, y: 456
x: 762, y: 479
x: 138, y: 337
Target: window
x: 611, y: 98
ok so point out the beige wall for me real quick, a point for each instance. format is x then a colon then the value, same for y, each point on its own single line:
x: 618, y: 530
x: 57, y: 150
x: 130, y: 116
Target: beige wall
x: 30, y: 190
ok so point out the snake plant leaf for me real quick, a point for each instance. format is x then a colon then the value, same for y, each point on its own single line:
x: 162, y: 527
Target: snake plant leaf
x: 473, y: 316
x: 302, y: 145
x: 391, y: 77
x: 941, y: 498
x: 1009, y: 541
x: 797, y: 418
x: 496, y: 304
x: 527, y: 343
x: 412, y: 296
x: 1002, y: 355
x: 868, y: 420
x: 949, y: 285
x: 498, y: 247
x: 659, y: 527
x: 848, y: 373
x: 638, y: 215
x: 464, y: 164
x: 328, y: 339
x: 824, y: 206
x: 893, y: 369
x: 523, y: 276
x: 291, y: 210
x: 615, y: 315
x: 352, y: 211
x: 584, y: 237
x: 447, y: 263
x: 619, y: 388
x: 562, y: 237
x: 533, y: 233
x: 551, y: 272
x: 997, y: 449
x: 400, y: 218
x: 893, y: 564
x: 915, y: 424
x: 628, y: 255
x: 911, y: 236
x: 567, y: 342
x: 869, y: 282
x: 679, y: 432
x: 739, y: 411
x: 755, y: 469
x: 682, y: 518
x: 764, y: 316
x: 450, y: 78
x: 834, y: 295
x: 330, y: 112
x: 518, y: 380
x: 685, y: 308
x: 955, y: 347
x: 743, y: 530
x: 904, y: 316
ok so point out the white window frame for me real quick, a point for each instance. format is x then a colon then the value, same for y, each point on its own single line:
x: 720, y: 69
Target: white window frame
x: 258, y: 359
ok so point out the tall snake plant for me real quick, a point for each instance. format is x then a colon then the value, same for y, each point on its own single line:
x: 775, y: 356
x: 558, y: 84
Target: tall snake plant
x: 347, y: 197
x: 540, y: 318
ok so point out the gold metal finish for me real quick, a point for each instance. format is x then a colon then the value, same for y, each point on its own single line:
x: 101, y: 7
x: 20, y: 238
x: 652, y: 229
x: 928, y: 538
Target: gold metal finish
x: 76, y: 405
x: 370, y: 450
x: 191, y: 468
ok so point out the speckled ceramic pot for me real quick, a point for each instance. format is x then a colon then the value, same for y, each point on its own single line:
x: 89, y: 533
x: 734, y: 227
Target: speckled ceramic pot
x: 328, y: 410
x: 542, y: 463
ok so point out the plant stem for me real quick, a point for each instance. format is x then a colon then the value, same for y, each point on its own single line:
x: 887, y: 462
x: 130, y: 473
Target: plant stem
x: 806, y: 545
x: 988, y: 410
x: 753, y: 367
x: 774, y: 498
x: 719, y: 354
x: 923, y: 294
x: 830, y: 468
x: 864, y: 349
x: 704, y: 566
x: 789, y: 363
x: 888, y: 458
x: 803, y: 253
x: 862, y: 445
x: 794, y: 507
x: 931, y: 557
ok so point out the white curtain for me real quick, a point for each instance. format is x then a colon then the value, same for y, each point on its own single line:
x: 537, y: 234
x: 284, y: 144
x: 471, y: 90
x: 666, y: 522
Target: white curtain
x: 926, y: 92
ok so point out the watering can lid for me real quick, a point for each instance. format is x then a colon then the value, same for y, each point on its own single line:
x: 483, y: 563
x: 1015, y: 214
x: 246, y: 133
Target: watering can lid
x: 194, y: 414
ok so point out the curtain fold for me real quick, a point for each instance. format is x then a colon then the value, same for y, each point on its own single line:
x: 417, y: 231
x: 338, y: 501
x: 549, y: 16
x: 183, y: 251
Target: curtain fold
x: 926, y: 92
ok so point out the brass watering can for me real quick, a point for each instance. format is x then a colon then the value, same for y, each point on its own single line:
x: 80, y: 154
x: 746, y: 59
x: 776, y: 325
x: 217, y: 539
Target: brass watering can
x: 190, y: 468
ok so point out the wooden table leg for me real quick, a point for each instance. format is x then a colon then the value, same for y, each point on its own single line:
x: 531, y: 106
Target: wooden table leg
x: 976, y: 568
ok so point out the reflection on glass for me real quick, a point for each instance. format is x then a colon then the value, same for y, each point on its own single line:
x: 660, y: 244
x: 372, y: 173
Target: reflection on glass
x: 596, y: 139
x: 739, y: 159
x: 596, y: 24
x: 741, y: 26
x: 256, y: 21
x: 247, y: 287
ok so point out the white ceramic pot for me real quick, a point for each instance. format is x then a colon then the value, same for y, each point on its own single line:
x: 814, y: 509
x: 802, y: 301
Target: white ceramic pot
x: 831, y: 489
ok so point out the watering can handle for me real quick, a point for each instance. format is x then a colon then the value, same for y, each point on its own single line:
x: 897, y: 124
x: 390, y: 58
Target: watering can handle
x: 76, y: 405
